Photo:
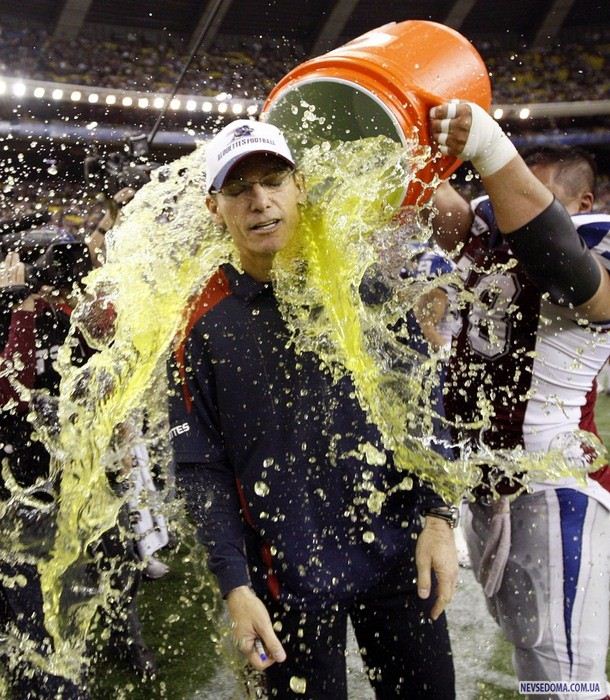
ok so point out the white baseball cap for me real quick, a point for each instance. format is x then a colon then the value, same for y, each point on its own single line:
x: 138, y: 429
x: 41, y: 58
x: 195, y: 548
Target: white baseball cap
x: 237, y: 140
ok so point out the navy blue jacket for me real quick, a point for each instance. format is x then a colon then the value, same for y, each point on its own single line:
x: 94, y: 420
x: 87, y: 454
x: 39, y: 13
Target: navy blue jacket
x: 267, y: 453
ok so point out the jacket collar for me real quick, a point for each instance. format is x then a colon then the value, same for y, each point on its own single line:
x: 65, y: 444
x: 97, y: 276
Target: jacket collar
x: 243, y: 286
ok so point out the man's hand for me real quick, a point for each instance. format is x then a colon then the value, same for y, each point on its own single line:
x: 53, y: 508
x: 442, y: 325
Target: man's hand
x: 465, y: 131
x: 251, y: 622
x: 12, y: 274
x: 430, y: 309
x: 436, y: 552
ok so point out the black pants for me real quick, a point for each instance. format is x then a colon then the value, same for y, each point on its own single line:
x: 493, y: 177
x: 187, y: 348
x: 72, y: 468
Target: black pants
x: 121, y: 615
x: 406, y: 655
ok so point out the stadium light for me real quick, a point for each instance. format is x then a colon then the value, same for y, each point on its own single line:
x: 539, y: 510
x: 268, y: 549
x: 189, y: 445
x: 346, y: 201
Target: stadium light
x: 223, y: 103
x: 226, y: 104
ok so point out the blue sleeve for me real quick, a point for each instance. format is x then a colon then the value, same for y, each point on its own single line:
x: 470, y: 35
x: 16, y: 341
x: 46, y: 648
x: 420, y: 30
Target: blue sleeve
x: 203, y: 472
x: 431, y: 265
x: 211, y: 498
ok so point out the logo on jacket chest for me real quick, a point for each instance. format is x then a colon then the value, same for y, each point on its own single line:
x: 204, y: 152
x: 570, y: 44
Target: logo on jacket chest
x: 45, y: 358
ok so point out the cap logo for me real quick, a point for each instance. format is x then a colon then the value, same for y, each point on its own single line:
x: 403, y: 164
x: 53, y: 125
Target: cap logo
x: 242, y: 131
x: 236, y: 141
x: 239, y: 142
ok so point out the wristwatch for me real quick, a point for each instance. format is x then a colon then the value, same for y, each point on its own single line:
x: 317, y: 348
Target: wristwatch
x: 451, y: 514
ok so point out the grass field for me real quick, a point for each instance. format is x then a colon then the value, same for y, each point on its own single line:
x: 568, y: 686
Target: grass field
x: 602, y: 415
x: 179, y: 614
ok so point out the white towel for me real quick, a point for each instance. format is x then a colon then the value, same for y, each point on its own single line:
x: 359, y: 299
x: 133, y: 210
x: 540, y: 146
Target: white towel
x: 149, y: 525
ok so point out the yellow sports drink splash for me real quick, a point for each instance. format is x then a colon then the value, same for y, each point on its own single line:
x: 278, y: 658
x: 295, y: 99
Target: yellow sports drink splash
x: 379, y: 85
x: 164, y: 250
x: 166, y: 247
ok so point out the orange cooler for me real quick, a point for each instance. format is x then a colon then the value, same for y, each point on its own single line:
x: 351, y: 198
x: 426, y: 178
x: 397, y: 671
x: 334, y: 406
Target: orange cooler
x: 383, y: 82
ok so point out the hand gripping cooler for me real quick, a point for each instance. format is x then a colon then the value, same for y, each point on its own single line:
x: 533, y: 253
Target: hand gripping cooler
x: 381, y: 83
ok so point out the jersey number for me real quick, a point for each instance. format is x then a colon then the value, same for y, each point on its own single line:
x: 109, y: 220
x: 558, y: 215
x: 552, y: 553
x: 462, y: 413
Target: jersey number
x: 490, y: 314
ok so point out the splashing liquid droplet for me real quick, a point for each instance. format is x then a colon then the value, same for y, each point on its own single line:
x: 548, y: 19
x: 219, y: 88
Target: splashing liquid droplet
x: 261, y: 489
x: 298, y: 685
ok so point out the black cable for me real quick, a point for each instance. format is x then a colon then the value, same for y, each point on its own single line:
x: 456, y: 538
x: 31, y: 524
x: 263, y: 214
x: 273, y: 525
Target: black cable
x: 204, y: 30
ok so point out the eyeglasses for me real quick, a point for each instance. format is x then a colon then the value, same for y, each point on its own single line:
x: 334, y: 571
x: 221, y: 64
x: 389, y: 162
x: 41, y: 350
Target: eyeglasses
x: 270, y: 183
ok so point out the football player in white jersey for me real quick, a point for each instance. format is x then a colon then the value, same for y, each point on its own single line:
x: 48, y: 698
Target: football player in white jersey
x: 533, y: 340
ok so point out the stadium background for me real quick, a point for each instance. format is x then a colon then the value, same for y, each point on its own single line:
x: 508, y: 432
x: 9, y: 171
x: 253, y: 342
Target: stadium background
x: 78, y: 73
x: 82, y: 76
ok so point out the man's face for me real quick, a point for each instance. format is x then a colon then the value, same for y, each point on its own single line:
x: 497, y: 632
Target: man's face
x: 575, y: 201
x: 261, y: 219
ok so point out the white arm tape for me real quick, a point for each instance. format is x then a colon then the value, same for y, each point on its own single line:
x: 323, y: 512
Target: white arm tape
x: 445, y: 124
x: 488, y: 148
x: 452, y: 109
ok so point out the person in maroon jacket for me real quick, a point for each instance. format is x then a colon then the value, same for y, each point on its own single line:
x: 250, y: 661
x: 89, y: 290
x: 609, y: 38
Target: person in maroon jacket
x: 35, y: 328
x: 535, y: 334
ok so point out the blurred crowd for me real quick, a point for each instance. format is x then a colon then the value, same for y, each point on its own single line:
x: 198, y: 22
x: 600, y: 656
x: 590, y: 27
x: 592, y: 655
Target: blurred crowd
x: 63, y: 204
x: 573, y: 69
x: 240, y: 66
